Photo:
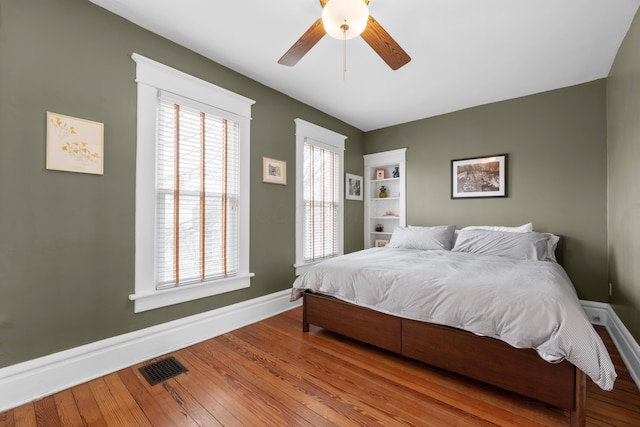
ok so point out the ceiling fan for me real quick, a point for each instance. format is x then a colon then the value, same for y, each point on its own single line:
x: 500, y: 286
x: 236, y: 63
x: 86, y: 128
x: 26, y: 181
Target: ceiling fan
x: 335, y: 22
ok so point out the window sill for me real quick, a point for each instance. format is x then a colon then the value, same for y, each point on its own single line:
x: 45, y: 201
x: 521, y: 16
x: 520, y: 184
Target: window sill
x: 165, y: 297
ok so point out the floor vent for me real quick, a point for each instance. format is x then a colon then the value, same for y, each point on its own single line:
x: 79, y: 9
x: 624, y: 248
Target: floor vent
x: 162, y: 370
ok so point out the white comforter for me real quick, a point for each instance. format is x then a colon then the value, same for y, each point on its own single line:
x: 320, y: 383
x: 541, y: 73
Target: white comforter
x: 528, y: 304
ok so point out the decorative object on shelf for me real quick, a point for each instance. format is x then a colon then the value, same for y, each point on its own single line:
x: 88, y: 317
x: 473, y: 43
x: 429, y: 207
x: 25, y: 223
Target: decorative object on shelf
x: 380, y: 173
x: 389, y: 213
x: 396, y: 172
x: 379, y: 228
x: 383, y: 192
x: 274, y: 171
x: 74, y: 145
x: 479, y: 177
x: 353, y: 187
x: 381, y: 243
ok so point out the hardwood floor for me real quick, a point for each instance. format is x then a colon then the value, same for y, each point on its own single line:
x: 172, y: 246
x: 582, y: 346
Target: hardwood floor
x: 271, y: 373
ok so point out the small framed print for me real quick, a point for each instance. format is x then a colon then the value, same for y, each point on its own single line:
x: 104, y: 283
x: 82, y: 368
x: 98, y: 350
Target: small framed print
x: 479, y: 177
x: 381, y: 243
x: 353, y: 187
x: 274, y: 171
x: 380, y: 173
x: 74, y: 144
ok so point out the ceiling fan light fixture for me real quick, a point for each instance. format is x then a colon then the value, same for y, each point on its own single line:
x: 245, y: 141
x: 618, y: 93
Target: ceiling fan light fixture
x: 338, y: 13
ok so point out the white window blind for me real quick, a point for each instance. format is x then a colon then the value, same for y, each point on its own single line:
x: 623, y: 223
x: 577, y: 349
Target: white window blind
x: 319, y: 194
x: 321, y: 201
x: 197, y: 195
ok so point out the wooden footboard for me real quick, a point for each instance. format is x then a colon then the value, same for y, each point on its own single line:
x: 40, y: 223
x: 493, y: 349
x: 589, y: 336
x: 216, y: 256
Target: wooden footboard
x: 485, y: 359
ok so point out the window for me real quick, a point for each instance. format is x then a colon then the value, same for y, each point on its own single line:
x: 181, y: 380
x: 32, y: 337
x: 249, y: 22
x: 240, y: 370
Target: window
x: 319, y: 194
x: 197, y: 183
x: 192, y: 188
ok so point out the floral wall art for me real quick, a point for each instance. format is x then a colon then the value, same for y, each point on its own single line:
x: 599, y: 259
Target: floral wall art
x: 74, y: 145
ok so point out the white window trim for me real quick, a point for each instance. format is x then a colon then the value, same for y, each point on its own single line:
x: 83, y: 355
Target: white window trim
x: 333, y: 141
x: 151, y: 77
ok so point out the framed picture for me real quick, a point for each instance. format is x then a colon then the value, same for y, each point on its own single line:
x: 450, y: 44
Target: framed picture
x: 479, y: 177
x: 274, y: 171
x: 74, y: 145
x: 380, y: 173
x: 380, y: 243
x: 353, y: 187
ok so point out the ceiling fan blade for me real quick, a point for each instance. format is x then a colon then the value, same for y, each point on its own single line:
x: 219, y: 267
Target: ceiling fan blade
x: 304, y: 44
x: 384, y: 45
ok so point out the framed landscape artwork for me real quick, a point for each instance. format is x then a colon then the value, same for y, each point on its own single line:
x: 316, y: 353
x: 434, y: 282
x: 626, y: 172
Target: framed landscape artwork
x: 479, y: 177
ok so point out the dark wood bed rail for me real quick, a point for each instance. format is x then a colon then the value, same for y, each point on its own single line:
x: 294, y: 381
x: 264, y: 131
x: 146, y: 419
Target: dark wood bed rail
x: 493, y: 362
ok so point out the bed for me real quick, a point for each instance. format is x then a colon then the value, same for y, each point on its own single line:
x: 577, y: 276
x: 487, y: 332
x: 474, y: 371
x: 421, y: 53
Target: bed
x: 434, y: 293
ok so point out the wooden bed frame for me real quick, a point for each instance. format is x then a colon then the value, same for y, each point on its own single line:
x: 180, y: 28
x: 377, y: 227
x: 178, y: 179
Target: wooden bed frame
x: 493, y: 362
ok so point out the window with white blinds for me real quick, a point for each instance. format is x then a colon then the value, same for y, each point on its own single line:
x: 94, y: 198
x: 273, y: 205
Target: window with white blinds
x: 197, y: 195
x: 319, y: 194
x: 321, y: 202
x: 192, y: 188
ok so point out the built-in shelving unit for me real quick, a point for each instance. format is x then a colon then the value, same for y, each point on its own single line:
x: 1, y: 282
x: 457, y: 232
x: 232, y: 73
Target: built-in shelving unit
x: 381, y: 214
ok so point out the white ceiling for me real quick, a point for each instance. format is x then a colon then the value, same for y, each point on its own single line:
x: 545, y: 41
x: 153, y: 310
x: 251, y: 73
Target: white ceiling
x: 464, y: 52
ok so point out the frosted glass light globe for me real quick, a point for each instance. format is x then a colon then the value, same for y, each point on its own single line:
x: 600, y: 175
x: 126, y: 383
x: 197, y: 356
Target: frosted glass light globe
x: 336, y: 12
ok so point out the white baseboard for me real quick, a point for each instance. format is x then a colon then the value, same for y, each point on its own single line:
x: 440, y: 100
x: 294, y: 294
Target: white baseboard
x: 603, y: 314
x: 37, y: 378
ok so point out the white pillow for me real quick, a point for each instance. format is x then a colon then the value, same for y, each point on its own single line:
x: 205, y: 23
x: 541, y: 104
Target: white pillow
x: 423, y: 238
x: 552, y: 244
x: 525, y: 228
x: 528, y: 245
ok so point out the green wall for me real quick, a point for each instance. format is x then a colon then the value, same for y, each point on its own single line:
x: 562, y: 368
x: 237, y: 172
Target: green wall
x: 623, y: 139
x: 67, y: 240
x: 556, y: 142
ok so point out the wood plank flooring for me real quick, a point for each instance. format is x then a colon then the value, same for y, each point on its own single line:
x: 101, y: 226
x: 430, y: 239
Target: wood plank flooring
x: 273, y: 374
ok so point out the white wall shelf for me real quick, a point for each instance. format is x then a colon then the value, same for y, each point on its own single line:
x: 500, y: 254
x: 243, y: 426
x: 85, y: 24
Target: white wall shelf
x: 389, y: 211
